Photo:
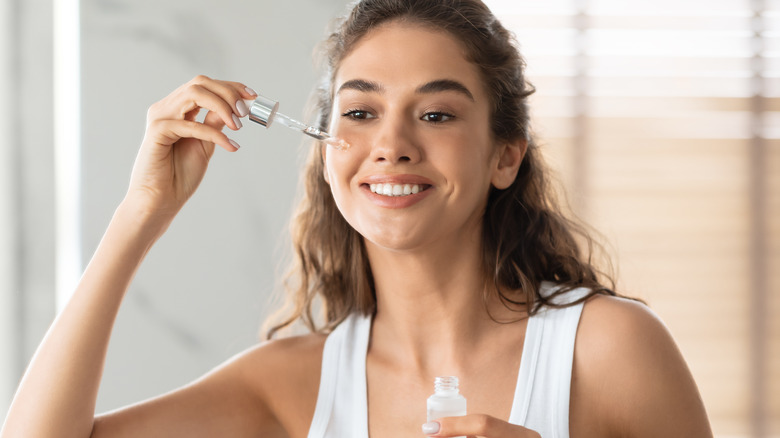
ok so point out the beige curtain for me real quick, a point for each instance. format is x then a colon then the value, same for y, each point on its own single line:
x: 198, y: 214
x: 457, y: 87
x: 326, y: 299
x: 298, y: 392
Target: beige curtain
x: 662, y: 118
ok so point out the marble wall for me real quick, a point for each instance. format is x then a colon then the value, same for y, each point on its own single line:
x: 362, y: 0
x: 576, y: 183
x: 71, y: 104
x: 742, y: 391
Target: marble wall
x: 203, y: 291
x: 26, y: 186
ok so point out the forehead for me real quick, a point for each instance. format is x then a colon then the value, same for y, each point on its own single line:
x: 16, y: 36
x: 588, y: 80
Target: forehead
x: 397, y: 54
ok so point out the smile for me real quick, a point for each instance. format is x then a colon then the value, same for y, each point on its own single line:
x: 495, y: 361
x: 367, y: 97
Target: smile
x: 396, y: 189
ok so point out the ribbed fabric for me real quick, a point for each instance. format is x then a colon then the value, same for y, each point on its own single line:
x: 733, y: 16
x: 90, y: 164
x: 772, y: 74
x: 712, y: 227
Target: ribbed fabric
x: 544, y: 381
x: 541, y: 401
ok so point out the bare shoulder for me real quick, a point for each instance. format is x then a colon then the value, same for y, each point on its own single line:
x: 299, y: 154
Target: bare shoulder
x: 269, y: 389
x: 629, y: 373
x: 293, y: 354
x: 286, y: 373
x: 608, y: 321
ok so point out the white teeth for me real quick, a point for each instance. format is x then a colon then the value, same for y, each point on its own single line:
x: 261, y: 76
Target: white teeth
x: 395, y: 189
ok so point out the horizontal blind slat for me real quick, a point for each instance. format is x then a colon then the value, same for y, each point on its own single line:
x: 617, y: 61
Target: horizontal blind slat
x: 668, y: 92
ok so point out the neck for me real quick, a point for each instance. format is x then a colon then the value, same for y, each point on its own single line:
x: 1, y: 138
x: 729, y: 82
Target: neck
x: 431, y: 308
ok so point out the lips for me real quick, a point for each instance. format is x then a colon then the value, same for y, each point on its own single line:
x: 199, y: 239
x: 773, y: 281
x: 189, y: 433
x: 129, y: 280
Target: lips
x: 396, y: 185
x: 395, y: 188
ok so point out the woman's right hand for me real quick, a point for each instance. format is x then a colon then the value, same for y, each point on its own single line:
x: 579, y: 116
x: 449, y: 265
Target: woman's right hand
x: 176, y: 148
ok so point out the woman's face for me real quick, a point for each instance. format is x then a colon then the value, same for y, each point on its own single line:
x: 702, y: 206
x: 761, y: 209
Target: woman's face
x: 422, y: 156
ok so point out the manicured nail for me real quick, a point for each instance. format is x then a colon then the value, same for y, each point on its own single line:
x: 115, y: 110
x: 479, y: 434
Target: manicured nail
x: 250, y: 91
x: 235, y: 145
x: 241, y: 107
x: 431, y: 427
x: 237, y: 121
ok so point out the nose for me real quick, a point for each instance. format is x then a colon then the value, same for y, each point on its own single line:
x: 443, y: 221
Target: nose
x: 394, y: 141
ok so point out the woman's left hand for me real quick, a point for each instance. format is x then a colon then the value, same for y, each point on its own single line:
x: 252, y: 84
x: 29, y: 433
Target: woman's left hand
x: 476, y: 425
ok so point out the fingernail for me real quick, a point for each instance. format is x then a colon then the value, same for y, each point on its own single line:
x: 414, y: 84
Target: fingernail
x: 250, y: 91
x: 241, y: 107
x: 237, y: 121
x: 431, y: 427
x: 235, y: 145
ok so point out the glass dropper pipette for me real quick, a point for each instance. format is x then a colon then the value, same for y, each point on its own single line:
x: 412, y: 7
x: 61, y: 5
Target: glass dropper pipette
x: 264, y: 111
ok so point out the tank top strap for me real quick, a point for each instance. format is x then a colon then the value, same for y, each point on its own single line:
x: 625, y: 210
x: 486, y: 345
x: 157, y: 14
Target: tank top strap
x: 541, y: 400
x: 341, y: 409
x: 542, y: 392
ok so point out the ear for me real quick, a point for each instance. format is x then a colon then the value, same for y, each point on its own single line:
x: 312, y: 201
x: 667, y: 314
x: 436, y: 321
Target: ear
x: 323, y: 150
x: 510, y: 155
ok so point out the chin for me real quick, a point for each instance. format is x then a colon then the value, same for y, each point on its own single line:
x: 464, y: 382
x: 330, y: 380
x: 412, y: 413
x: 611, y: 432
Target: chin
x: 395, y: 241
x: 392, y: 243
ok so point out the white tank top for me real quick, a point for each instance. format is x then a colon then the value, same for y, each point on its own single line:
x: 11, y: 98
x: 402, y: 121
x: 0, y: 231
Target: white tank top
x: 541, y: 401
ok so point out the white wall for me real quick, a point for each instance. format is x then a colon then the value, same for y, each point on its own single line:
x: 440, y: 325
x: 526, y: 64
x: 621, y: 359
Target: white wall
x: 8, y: 219
x: 26, y: 186
x: 202, y: 293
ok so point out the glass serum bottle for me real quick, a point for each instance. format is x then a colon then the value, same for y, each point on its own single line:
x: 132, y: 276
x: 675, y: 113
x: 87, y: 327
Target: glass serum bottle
x: 446, y: 401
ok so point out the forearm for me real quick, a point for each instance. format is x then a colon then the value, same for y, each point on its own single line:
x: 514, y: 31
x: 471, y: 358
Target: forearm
x: 58, y: 392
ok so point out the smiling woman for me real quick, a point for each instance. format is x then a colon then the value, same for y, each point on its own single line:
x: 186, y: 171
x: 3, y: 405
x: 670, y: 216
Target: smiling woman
x: 412, y: 125
x: 434, y: 244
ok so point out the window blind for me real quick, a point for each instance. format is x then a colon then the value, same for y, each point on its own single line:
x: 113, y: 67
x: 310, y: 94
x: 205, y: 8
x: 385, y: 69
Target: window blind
x: 662, y: 119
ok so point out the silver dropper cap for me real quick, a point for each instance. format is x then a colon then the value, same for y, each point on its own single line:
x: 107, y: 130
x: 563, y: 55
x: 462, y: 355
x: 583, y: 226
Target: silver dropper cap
x: 263, y: 110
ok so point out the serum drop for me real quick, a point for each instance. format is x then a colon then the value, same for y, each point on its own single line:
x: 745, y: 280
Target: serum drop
x: 446, y: 401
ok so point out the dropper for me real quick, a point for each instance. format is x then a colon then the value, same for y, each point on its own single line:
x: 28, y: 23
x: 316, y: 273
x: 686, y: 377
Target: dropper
x: 264, y: 111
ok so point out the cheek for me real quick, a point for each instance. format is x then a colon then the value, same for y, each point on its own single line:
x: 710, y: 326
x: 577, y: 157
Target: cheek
x: 468, y: 167
x: 467, y: 152
x: 340, y: 166
x: 359, y: 137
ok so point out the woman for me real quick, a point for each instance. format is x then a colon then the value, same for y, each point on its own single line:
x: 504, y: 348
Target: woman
x: 433, y: 242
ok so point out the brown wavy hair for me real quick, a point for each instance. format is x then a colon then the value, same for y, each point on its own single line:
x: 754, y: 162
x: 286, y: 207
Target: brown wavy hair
x: 526, y: 237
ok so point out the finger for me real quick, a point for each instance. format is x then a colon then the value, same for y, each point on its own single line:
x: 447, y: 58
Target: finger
x: 245, y: 91
x: 186, y: 102
x: 203, y: 97
x: 478, y: 425
x: 223, y: 97
x: 232, y: 92
x: 168, y: 132
x: 202, y: 92
x: 214, y: 120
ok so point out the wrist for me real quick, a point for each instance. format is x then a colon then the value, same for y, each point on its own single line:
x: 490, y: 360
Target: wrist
x: 147, y: 221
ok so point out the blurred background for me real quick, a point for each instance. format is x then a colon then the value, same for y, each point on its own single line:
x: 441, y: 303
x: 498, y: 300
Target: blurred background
x: 662, y: 119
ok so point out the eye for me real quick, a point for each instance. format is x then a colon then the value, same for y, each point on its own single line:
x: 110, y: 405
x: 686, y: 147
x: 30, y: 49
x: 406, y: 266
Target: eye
x: 357, y: 115
x: 437, y: 117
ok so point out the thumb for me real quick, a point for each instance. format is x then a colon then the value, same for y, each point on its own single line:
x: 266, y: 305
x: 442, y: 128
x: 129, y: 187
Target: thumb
x: 214, y: 120
x: 476, y: 425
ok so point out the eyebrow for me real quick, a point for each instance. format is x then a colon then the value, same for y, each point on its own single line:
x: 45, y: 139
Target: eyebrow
x: 361, y: 85
x: 436, y: 86
x: 445, y: 85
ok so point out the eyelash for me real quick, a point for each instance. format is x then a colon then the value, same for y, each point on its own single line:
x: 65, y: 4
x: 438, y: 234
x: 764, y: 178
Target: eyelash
x: 351, y: 114
x: 449, y: 117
